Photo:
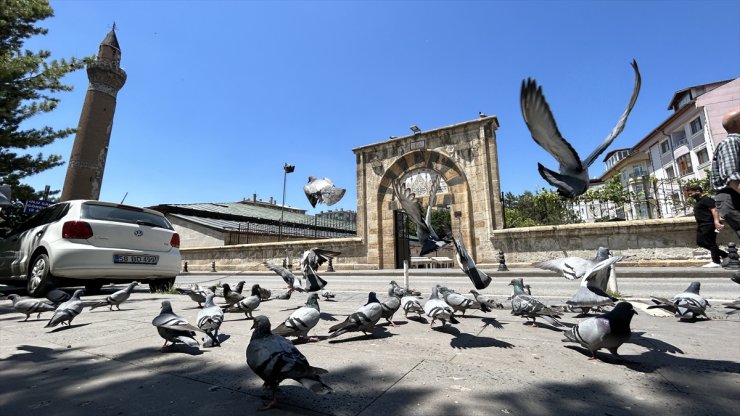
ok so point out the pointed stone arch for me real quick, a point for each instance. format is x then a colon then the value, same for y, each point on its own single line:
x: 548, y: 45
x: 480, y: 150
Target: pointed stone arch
x: 464, y: 155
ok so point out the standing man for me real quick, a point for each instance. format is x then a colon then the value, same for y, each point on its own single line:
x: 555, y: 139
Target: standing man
x: 707, y: 224
x: 725, y: 176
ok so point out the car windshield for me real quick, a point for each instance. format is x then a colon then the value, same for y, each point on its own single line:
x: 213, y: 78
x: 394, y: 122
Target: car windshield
x: 123, y: 213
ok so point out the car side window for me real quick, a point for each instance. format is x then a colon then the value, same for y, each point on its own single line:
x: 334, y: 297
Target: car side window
x: 45, y: 216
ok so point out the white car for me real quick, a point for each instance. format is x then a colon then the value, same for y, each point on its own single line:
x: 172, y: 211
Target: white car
x: 90, y: 243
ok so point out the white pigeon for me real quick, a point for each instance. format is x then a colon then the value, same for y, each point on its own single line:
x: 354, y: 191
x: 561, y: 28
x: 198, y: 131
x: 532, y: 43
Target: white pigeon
x: 301, y: 320
x: 209, y: 320
x: 428, y: 238
x: 274, y: 359
x: 67, y: 311
x: 29, y: 306
x: 362, y: 320
x: 687, y: 305
x: 609, y: 330
x: 322, y: 191
x: 116, y: 298
x: 572, y: 179
x: 437, y: 308
x: 173, y: 328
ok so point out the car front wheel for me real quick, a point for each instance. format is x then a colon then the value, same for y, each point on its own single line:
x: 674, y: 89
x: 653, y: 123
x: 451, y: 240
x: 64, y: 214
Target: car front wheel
x: 161, y: 285
x: 39, y: 276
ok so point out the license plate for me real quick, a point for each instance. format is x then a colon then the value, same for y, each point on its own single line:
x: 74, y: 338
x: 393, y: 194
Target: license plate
x: 135, y: 259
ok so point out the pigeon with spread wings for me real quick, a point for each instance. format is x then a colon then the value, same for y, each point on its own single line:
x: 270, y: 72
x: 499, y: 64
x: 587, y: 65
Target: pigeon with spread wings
x: 322, y: 191
x: 424, y: 231
x: 572, y: 178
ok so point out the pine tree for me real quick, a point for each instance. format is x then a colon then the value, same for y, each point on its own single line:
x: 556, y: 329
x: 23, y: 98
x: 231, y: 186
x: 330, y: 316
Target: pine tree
x: 28, y: 84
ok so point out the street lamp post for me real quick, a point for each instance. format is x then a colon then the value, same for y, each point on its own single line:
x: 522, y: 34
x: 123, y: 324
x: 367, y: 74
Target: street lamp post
x: 286, y: 169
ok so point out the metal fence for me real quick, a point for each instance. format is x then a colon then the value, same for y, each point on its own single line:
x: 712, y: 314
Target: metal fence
x: 270, y: 231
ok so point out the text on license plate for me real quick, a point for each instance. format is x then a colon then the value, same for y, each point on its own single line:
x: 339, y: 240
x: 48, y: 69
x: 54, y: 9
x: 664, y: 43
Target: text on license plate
x: 135, y: 259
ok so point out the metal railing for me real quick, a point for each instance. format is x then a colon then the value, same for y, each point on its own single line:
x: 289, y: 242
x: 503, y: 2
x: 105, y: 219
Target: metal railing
x: 310, y: 228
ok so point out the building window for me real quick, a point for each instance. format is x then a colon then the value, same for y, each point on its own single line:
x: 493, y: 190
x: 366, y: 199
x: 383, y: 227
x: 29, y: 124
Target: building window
x: 684, y: 165
x: 696, y: 125
x: 669, y: 172
x: 665, y: 147
x: 679, y: 139
x: 703, y: 156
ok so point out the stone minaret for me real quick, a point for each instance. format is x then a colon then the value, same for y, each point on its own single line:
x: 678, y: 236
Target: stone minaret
x: 87, y: 161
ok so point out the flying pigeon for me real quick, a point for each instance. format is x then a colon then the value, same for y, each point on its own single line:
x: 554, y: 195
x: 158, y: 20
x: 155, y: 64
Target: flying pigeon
x: 310, y: 262
x: 609, y: 330
x: 30, y: 305
x: 173, y: 328
x: 197, y: 293
x: 530, y: 307
x: 392, y: 304
x: 572, y: 179
x: 288, y: 277
x: 437, y: 308
x: 486, y: 300
x: 67, y: 311
x: 209, y: 320
x: 480, y: 279
x: 363, y: 319
x: 274, y: 359
x: 428, y: 238
x: 459, y: 302
x: 116, y: 298
x: 322, y: 191
x: 57, y: 296
x: 302, y: 320
x: 248, y: 304
x: 687, y: 305
x: 411, y: 304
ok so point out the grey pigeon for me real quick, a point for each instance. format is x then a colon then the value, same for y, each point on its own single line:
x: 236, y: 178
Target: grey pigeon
x: 393, y: 287
x: 327, y: 295
x: 248, y: 304
x: 310, y: 262
x: 486, y: 300
x: 288, y: 277
x: 363, y: 319
x: 197, y: 293
x: 609, y: 330
x: 239, y: 287
x: 116, y: 298
x: 284, y: 295
x: 459, y: 302
x: 274, y: 359
x: 519, y: 282
x: 265, y: 294
x: 572, y: 179
x: 530, y: 307
x: 322, y: 191
x: 734, y: 306
x: 411, y: 304
x: 687, y: 305
x: 479, y: 278
x: 391, y: 306
x: 67, y: 311
x: 301, y: 320
x: 437, y: 308
x: 428, y: 238
x: 57, y: 296
x: 30, y: 305
x: 173, y: 328
x: 209, y: 320
x: 230, y: 296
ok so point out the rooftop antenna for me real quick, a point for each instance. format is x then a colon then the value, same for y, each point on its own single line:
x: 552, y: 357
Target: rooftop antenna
x: 124, y: 197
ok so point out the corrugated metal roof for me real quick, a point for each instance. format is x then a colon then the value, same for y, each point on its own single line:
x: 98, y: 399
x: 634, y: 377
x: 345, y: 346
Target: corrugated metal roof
x: 246, y: 210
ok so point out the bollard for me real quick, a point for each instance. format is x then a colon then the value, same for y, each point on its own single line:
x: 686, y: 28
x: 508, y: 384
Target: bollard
x: 734, y: 262
x: 406, y: 275
x: 502, y: 262
x: 185, y: 267
x: 213, y: 266
x: 330, y: 266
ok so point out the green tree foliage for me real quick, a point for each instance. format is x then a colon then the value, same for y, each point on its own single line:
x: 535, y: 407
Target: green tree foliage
x: 544, y: 207
x: 441, y: 222
x: 28, y: 84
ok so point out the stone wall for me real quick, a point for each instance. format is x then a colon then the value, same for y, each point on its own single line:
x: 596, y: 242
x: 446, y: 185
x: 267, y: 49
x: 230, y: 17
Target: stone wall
x: 195, y: 235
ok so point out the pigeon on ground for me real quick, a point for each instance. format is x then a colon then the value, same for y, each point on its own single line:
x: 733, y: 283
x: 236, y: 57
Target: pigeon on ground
x: 391, y: 305
x: 265, y: 294
x: 239, y: 287
x: 302, y: 320
x: 327, y: 295
x: 479, y: 278
x: 428, y: 238
x: 437, y: 308
x: 283, y: 295
x: 486, y: 300
x: 248, y: 304
x: 67, y: 311
x: 31, y: 305
x: 310, y: 262
x: 57, y: 296
x: 173, y: 328
x: 288, y: 277
x: 209, y: 320
x: 572, y: 179
x: 274, y: 359
x: 322, y: 191
x: 734, y: 305
x: 197, y: 293
x: 411, y: 304
x: 116, y: 298
x: 393, y: 287
x: 530, y: 307
x: 519, y: 282
x: 609, y: 330
x: 363, y: 319
x: 230, y: 296
x: 459, y: 302
x: 687, y: 305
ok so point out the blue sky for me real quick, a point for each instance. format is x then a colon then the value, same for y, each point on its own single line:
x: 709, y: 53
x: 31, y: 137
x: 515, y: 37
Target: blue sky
x: 220, y: 94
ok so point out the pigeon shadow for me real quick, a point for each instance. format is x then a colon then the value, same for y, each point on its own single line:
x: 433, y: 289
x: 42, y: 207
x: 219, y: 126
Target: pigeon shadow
x: 418, y: 318
x: 66, y: 327
x: 182, y: 349
x: 638, y: 338
x: 327, y: 316
x: 493, y: 322
x: 378, y: 333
